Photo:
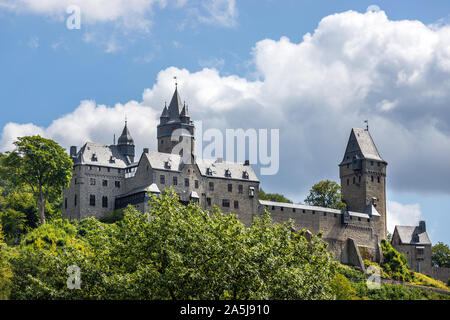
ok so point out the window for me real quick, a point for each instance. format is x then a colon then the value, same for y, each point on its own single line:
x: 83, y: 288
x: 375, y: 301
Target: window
x: 105, y: 202
x: 371, y: 178
x: 324, y: 214
x: 230, y: 187
x: 186, y: 182
x: 281, y: 208
x: 65, y: 203
x: 92, y: 182
x: 208, y: 201
x: 313, y: 212
x: 196, y: 184
x: 175, y: 181
x: 117, y: 184
x: 378, y: 179
x: 348, y: 181
x: 371, y: 163
x: 209, y: 172
x: 359, y: 179
x: 105, y: 183
x: 75, y: 201
x: 353, y: 180
x: 304, y: 211
x: 240, y: 188
x: 236, y: 204
x: 211, y: 186
x: 90, y: 167
x: 225, y: 203
x: 348, y: 165
x: 227, y: 173
x: 359, y: 219
x: 162, y: 179
x: 109, y: 169
x: 245, y: 175
x: 273, y: 207
x: 293, y: 209
x: 92, y: 200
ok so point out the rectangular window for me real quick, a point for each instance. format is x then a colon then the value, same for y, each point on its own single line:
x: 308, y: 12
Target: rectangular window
x: 92, y: 182
x: 105, y: 183
x: 378, y: 178
x: 92, y: 200
x: 65, y: 203
x: 371, y: 178
x: 225, y: 203
x: 211, y: 186
x: 186, y: 182
x: 117, y: 184
x: 293, y: 209
x: 348, y: 181
x: 162, y: 179
x: 105, y: 202
x: 208, y: 201
x: 230, y: 187
x: 236, y: 204
x: 75, y: 201
x: 240, y: 188
x: 371, y: 163
x: 175, y: 181
x: 196, y: 184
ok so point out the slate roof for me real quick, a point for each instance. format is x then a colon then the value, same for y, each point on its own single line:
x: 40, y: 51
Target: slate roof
x: 315, y: 208
x: 175, y: 107
x: 104, y: 155
x: 406, y: 235
x: 159, y: 160
x: 360, y: 143
x: 125, y: 137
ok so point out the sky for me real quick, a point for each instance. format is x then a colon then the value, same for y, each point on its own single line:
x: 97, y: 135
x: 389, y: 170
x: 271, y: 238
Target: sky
x: 312, y: 69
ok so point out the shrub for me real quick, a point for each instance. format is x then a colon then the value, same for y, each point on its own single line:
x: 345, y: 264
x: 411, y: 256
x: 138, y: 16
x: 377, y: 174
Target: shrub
x: 394, y: 263
x: 342, y: 288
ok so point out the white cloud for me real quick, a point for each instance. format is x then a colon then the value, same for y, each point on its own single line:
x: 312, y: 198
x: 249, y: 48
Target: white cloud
x: 33, y: 43
x: 402, y: 215
x: 220, y: 12
x: 353, y: 67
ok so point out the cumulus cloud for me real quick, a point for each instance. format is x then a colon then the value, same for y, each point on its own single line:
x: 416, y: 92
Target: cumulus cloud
x: 353, y: 67
x: 136, y: 14
x: 402, y: 215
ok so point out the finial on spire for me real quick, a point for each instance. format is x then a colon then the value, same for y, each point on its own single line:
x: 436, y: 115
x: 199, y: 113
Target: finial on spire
x: 126, y: 120
x: 176, y: 83
x: 367, y: 124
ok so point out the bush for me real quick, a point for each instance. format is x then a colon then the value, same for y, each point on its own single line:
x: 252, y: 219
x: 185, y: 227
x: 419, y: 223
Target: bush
x: 421, y: 279
x: 342, y: 288
x: 394, y: 263
x: 383, y: 274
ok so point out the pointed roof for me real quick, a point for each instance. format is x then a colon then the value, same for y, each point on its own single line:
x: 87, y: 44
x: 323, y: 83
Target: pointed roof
x: 361, y: 145
x: 185, y: 112
x: 165, y: 113
x: 125, y: 137
x: 412, y: 235
x: 175, y: 106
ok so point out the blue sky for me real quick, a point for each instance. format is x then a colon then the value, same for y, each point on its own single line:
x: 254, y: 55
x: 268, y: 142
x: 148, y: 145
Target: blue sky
x: 47, y: 70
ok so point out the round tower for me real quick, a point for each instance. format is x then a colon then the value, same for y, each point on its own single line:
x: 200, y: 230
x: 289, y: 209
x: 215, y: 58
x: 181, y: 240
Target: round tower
x: 125, y: 144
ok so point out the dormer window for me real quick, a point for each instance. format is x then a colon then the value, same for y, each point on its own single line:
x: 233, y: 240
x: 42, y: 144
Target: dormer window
x: 167, y: 165
x: 94, y: 157
x: 228, y: 173
x: 209, y: 172
x: 112, y: 159
x: 245, y: 175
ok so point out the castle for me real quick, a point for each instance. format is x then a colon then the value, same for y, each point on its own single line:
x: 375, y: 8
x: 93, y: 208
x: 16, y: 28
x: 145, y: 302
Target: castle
x: 109, y: 177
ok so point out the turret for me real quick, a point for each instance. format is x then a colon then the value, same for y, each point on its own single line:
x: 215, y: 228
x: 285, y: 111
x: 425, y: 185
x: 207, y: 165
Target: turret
x: 125, y: 144
x: 175, y: 128
x: 363, y: 175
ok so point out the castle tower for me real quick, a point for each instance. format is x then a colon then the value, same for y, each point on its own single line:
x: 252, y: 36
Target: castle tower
x: 175, y: 121
x: 363, y: 176
x: 125, y: 144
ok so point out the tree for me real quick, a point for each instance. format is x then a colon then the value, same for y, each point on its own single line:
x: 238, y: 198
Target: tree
x: 326, y: 194
x: 173, y: 252
x: 272, y: 197
x: 42, y: 165
x: 440, y: 255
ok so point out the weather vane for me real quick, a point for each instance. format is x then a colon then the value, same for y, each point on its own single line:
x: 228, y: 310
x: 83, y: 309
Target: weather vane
x: 176, y: 84
x: 367, y: 124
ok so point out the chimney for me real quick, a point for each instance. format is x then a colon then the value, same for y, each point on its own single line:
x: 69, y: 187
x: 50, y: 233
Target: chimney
x: 73, y: 151
x: 246, y: 163
x: 422, y: 227
x: 146, y: 150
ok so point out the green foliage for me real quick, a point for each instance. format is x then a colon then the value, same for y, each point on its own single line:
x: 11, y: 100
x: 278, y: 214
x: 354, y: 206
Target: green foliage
x: 440, y: 255
x: 326, y: 194
x: 423, y: 280
x: 173, y: 252
x: 397, y: 292
x: 5, y: 268
x: 342, y: 288
x: 394, y: 263
x: 40, y: 164
x: 383, y: 273
x: 115, y: 216
x: 272, y: 197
